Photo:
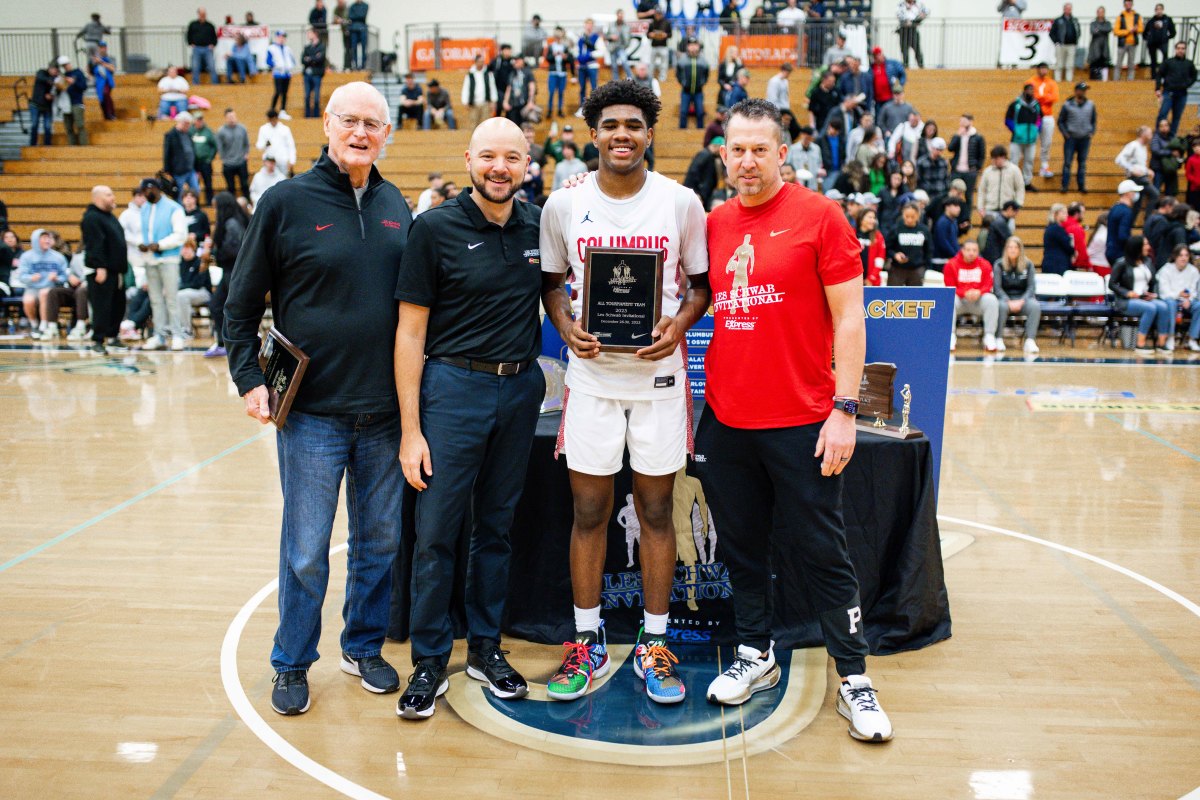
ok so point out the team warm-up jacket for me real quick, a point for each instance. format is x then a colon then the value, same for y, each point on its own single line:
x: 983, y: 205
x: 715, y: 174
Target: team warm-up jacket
x: 331, y: 270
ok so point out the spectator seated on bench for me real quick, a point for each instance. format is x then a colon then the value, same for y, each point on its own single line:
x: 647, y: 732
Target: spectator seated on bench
x: 1014, y: 281
x: 971, y: 278
x: 1133, y: 287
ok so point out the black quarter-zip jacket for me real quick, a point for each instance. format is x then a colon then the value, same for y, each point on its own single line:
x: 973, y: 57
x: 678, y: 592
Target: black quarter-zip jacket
x: 330, y: 268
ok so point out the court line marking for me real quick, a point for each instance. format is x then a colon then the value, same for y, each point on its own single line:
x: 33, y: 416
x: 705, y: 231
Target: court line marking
x: 1152, y: 437
x: 137, y: 498
x: 258, y: 726
x: 232, y: 684
x: 1062, y: 548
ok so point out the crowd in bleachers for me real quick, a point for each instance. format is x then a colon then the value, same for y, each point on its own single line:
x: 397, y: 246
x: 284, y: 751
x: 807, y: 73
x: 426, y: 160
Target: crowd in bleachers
x: 928, y: 205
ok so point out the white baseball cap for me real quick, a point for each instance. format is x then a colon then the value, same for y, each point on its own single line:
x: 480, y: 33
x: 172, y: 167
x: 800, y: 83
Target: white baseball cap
x: 1128, y: 186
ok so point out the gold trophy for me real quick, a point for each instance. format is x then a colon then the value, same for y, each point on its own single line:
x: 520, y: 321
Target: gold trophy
x: 875, y: 410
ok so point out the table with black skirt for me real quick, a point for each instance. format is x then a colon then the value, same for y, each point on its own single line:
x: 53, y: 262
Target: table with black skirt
x: 891, y: 528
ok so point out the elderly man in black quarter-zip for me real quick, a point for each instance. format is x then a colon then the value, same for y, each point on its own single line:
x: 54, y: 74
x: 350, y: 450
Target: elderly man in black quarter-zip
x: 327, y: 246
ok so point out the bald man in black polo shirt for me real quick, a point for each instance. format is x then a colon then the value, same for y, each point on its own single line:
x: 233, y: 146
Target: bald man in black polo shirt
x: 470, y: 392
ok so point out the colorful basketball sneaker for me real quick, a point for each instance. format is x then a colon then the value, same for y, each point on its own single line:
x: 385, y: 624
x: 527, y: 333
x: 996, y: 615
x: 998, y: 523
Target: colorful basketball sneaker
x: 584, y: 660
x: 655, y: 663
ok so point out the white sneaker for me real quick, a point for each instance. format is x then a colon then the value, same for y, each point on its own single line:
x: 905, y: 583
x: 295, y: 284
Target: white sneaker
x: 155, y: 342
x: 1169, y: 345
x: 1000, y: 345
x: 177, y: 343
x: 857, y: 702
x: 1046, y: 173
x: 1031, y: 346
x: 284, y: 115
x: 1193, y: 345
x: 79, y: 332
x: 1144, y: 351
x: 749, y: 673
x: 953, y: 341
x: 989, y: 342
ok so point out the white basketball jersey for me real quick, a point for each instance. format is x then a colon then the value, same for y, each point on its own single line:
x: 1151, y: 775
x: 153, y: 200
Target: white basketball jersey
x: 662, y: 216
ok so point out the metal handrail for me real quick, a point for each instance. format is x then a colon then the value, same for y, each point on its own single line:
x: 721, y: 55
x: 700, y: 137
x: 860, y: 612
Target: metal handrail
x: 20, y: 87
x: 23, y: 51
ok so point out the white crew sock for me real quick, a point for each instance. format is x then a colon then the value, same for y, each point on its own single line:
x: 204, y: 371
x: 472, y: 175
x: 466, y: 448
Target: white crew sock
x: 655, y: 624
x: 587, y: 619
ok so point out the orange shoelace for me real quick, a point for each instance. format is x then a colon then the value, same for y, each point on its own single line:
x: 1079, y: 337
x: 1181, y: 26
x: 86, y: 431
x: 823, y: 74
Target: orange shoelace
x: 575, y: 654
x: 662, y: 659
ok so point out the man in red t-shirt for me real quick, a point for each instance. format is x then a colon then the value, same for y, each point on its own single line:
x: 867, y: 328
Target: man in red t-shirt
x: 971, y: 277
x: 786, y: 277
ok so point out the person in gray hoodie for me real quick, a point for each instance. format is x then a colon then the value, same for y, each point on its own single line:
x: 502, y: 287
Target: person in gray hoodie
x: 233, y: 145
x: 1077, y: 123
x: 40, y: 269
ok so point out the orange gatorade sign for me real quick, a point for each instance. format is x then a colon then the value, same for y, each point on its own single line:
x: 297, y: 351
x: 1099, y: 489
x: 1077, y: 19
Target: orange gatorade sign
x: 456, y: 53
x: 761, y: 50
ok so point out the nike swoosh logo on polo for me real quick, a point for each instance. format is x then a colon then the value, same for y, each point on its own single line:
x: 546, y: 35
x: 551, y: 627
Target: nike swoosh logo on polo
x: 323, y: 227
x: 779, y: 233
x: 473, y: 246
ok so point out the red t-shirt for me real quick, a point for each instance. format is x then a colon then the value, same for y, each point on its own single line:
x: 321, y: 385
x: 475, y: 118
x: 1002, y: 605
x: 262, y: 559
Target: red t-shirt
x: 769, y: 363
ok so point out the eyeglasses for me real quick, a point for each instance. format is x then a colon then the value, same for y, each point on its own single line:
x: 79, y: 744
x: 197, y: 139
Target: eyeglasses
x: 350, y: 122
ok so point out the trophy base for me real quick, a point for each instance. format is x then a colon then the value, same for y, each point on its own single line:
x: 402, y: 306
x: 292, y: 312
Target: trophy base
x: 889, y: 430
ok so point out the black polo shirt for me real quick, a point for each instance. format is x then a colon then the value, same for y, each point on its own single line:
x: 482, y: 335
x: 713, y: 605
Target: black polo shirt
x: 481, y: 282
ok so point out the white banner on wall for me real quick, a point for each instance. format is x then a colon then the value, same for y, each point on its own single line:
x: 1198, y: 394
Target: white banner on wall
x: 1026, y: 42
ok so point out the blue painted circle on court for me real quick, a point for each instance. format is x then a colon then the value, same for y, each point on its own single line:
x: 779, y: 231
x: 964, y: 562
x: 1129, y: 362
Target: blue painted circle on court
x: 619, y: 712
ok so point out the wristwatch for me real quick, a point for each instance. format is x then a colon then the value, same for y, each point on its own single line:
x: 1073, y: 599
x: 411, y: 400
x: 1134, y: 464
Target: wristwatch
x: 847, y: 404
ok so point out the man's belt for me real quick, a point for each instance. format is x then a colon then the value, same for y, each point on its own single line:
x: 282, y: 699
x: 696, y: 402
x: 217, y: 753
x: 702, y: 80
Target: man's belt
x: 490, y: 367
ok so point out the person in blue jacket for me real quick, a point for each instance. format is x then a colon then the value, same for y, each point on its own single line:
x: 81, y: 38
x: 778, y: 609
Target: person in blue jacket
x: 1058, y: 248
x: 40, y: 269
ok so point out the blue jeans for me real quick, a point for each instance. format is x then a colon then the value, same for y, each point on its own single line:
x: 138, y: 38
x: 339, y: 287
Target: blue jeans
x: 312, y: 95
x: 556, y: 83
x: 202, y: 58
x: 1151, y: 314
x: 358, y: 48
x: 244, y: 67
x: 480, y: 429
x: 315, y: 451
x: 588, y: 74
x: 620, y: 65
x: 1173, y: 311
x: 1076, y: 149
x: 427, y: 119
x: 165, y: 106
x: 1173, y: 103
x: 686, y: 99
x: 187, y: 179
x: 45, y: 118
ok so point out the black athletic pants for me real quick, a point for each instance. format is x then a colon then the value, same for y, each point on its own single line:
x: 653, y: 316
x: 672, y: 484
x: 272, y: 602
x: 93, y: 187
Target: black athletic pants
x: 108, y: 305
x: 233, y: 174
x: 281, y: 90
x: 750, y: 478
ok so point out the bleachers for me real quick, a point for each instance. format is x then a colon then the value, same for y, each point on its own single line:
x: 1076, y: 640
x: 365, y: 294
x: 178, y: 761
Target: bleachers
x: 49, y: 185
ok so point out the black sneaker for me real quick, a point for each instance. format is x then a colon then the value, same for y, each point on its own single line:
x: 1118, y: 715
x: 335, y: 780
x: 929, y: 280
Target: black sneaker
x: 98, y: 349
x: 377, y: 675
x: 487, y: 664
x: 425, y: 686
x: 290, y: 695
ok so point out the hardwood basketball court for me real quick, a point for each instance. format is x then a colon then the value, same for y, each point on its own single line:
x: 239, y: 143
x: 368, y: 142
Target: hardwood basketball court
x: 141, y: 540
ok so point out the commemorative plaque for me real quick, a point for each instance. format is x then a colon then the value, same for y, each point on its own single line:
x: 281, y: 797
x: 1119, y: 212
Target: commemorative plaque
x: 283, y: 366
x: 876, y: 390
x: 622, y: 296
x: 875, y: 410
